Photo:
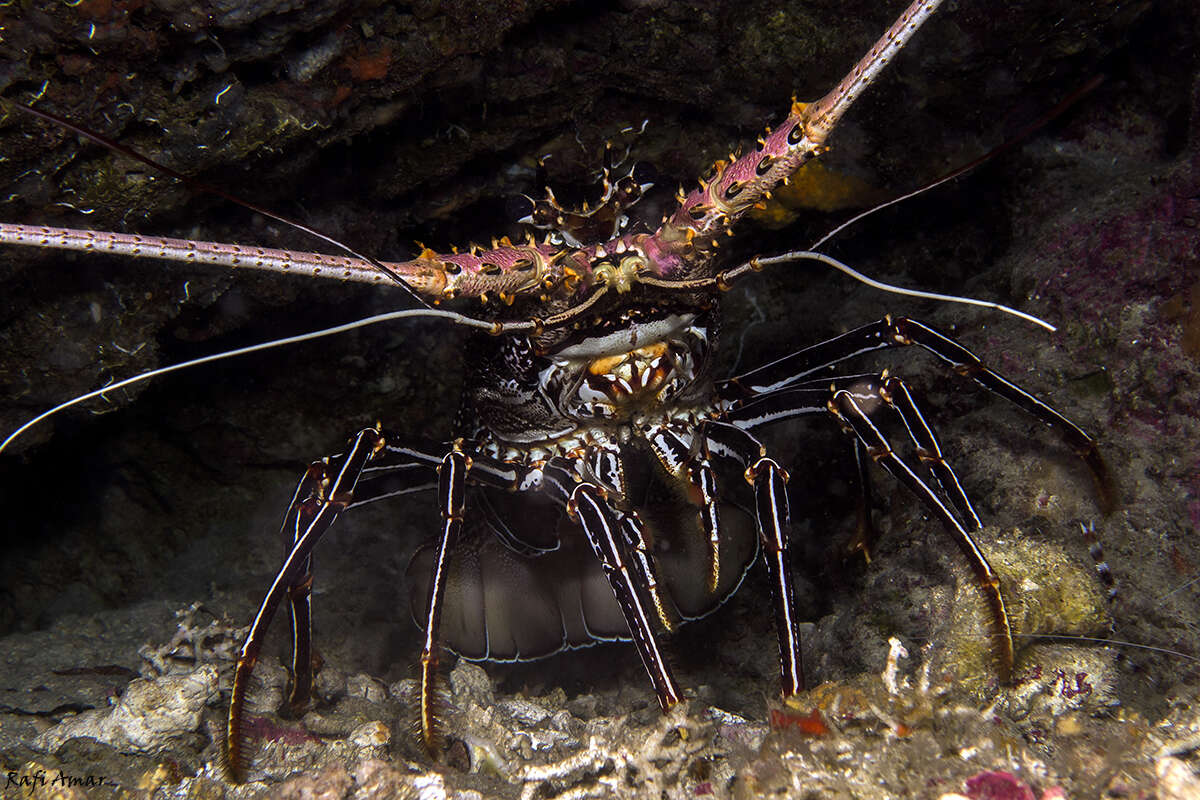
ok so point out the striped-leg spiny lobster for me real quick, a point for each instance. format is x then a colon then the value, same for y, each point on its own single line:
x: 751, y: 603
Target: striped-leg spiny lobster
x: 587, y: 494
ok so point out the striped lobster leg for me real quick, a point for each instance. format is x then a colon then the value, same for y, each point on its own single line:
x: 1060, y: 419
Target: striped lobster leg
x: 854, y: 407
x: 324, y: 492
x: 690, y: 462
x: 614, y: 537
x: 373, y: 468
x: 774, y: 527
x: 904, y: 332
x: 377, y: 481
x: 855, y: 401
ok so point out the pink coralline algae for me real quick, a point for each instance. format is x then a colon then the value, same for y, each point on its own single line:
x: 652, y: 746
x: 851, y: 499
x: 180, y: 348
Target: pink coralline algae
x: 1006, y: 786
x: 263, y: 728
x: 997, y: 786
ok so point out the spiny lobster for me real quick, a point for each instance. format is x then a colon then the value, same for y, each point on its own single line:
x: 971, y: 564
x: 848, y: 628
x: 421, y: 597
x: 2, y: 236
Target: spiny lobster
x: 591, y: 415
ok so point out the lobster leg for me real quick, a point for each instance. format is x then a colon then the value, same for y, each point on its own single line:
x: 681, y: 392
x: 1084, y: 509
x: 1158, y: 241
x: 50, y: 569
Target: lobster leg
x: 964, y: 362
x: 865, y: 534
x: 323, y: 493
x: 702, y: 476
x: 903, y: 332
x: 452, y: 477
x: 300, y: 675
x: 609, y: 536
x: 676, y: 455
x: 604, y: 462
x: 813, y: 397
x: 395, y: 480
x: 852, y: 408
x: 392, y: 472
x: 385, y: 483
x: 633, y: 537
x: 853, y: 400
x: 808, y: 398
x: 895, y: 393
x: 616, y: 537
x: 774, y: 524
x: 402, y: 469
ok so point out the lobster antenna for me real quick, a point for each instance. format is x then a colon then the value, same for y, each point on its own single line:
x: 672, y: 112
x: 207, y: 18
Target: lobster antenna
x: 1068, y: 637
x: 1071, y: 637
x: 1175, y: 591
x: 254, y: 348
x: 797, y: 255
x: 121, y: 149
x: 725, y: 279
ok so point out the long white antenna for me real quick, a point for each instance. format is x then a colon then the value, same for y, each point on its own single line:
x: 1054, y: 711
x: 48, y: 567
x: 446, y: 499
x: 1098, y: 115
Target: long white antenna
x: 801, y: 255
x: 254, y: 348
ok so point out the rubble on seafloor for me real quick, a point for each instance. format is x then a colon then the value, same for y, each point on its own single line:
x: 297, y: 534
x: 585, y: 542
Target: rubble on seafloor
x: 919, y: 727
